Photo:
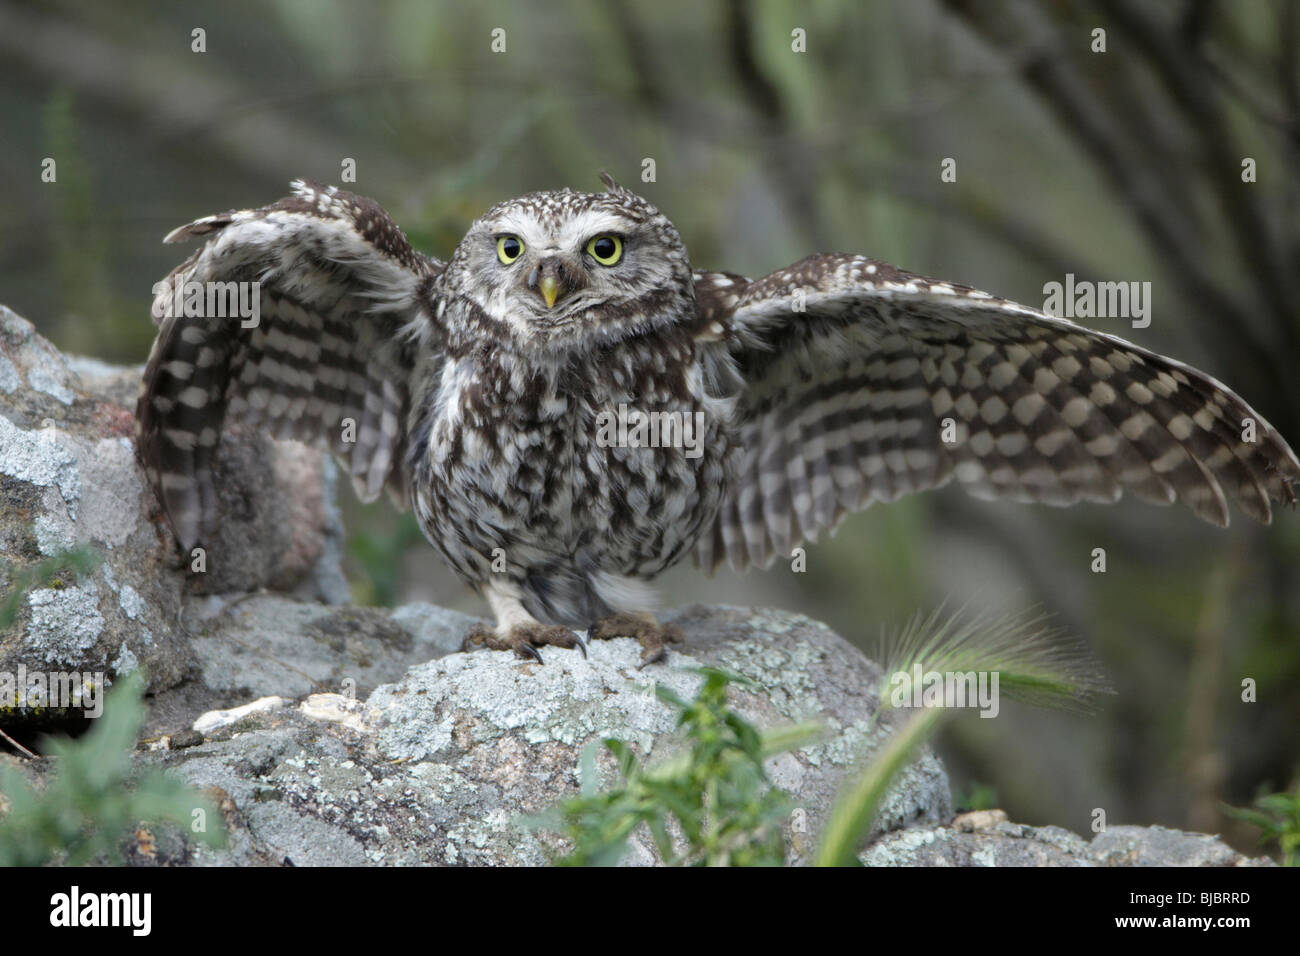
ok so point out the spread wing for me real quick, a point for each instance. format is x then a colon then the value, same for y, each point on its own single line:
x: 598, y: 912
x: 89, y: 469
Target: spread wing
x: 856, y: 382
x: 327, y: 360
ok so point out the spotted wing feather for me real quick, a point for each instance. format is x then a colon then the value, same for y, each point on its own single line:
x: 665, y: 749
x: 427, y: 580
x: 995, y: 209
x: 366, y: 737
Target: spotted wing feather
x: 857, y: 382
x: 339, y: 284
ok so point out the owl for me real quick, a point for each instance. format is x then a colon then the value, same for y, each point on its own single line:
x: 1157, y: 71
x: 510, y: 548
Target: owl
x: 570, y: 408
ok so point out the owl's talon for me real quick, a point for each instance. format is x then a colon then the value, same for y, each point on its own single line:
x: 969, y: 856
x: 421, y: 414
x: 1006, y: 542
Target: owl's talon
x: 528, y: 652
x: 653, y: 637
x: 523, y: 639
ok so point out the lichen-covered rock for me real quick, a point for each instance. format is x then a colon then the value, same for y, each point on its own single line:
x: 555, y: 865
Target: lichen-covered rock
x: 1001, y: 843
x: 345, y: 735
x: 438, y: 766
x: 69, y: 480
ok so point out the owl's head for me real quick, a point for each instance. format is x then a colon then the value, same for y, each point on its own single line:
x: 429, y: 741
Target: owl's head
x: 562, y: 269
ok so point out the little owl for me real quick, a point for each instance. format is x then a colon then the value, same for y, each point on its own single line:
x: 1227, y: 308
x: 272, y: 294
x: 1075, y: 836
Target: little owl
x: 478, y: 391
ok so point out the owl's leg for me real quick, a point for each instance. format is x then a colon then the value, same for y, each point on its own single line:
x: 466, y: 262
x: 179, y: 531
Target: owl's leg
x: 653, y: 637
x: 516, y: 629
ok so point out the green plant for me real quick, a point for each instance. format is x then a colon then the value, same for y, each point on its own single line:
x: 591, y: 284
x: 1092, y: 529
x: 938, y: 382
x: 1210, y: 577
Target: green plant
x: 975, y: 796
x: 1032, y: 663
x: 716, y: 792
x: 1035, y: 663
x: 1278, y: 817
x: 95, y: 799
x: 379, y: 554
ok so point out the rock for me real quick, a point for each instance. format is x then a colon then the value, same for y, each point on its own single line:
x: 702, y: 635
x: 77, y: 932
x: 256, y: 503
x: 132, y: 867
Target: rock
x: 1013, y: 844
x: 439, y: 765
x: 69, y: 479
x: 330, y: 734
x: 272, y: 644
x: 1158, y: 846
x: 215, y: 720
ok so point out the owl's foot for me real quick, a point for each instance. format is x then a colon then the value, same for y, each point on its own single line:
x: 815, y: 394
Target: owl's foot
x: 523, y: 639
x: 653, y: 637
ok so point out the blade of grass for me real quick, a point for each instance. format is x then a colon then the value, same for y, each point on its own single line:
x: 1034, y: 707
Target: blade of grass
x: 856, y: 808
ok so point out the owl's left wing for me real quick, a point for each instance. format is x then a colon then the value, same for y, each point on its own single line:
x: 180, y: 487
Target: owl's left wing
x: 335, y: 296
x: 856, y: 382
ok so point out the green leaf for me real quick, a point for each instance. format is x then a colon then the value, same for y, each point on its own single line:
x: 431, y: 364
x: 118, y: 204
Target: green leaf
x: 716, y: 791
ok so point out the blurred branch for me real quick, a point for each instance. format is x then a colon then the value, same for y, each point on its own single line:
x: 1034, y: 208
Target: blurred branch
x: 1048, y: 255
x: 1288, y: 67
x: 1204, y: 765
x: 155, y: 91
x: 1089, y: 121
x: 641, y: 60
x: 1236, y: 327
x: 791, y: 172
x: 1195, y: 21
x: 1187, y: 77
x: 1288, y: 76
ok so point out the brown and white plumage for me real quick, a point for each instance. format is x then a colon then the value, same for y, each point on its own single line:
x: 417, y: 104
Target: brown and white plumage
x: 338, y: 283
x: 842, y: 405
x: 475, y: 389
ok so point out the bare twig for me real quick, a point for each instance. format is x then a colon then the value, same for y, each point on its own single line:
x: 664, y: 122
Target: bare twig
x: 17, y: 746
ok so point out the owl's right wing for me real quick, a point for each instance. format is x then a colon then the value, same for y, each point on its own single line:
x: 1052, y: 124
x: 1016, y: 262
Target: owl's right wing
x: 857, y: 382
x: 339, y: 291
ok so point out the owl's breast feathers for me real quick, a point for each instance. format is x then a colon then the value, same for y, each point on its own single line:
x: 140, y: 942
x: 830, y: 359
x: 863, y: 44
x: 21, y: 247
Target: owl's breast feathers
x: 611, y: 461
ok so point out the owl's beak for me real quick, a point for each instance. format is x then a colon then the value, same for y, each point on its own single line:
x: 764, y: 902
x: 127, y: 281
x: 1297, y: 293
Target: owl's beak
x: 550, y: 288
x: 551, y: 279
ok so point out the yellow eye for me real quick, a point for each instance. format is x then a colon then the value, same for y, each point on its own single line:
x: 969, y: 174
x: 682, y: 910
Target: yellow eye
x: 509, y: 248
x: 606, y: 250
